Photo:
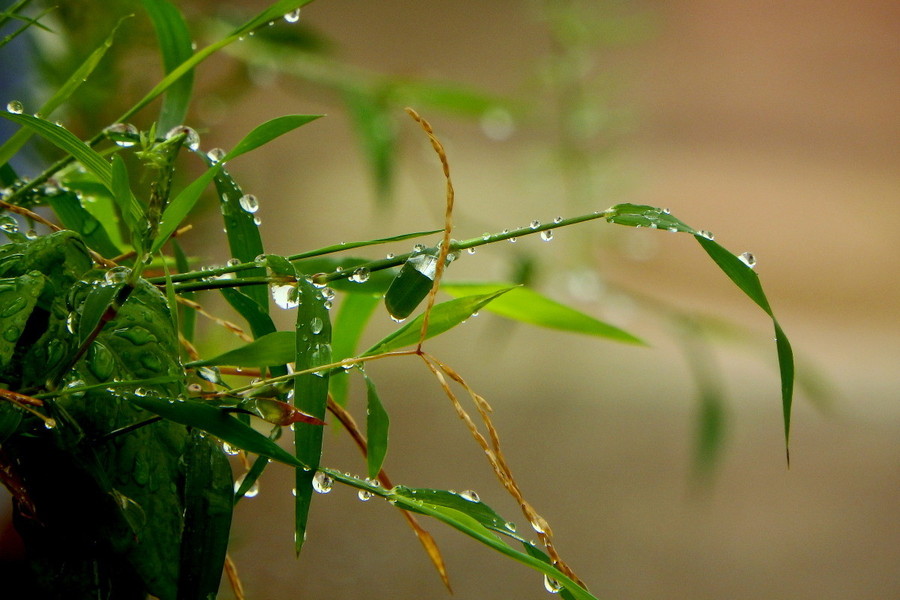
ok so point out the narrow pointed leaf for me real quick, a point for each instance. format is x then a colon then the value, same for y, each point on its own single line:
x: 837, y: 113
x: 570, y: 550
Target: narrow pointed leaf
x: 268, y: 131
x: 354, y: 314
x: 377, y: 136
x: 313, y: 348
x: 377, y: 282
x: 73, y: 216
x: 528, y: 306
x: 216, y: 421
x: 251, y: 477
x: 175, y: 46
x: 444, y: 316
x: 277, y: 348
x: 188, y: 318
x: 129, y: 207
x: 377, y: 425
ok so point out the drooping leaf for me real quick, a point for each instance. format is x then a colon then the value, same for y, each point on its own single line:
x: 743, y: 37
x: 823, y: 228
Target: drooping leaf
x: 377, y: 425
x: 444, y: 316
x: 216, y: 421
x: 528, y: 306
x: 277, y: 348
x: 175, y: 46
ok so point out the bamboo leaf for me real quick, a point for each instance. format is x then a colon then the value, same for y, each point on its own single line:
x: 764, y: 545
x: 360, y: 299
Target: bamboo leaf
x: 73, y: 216
x: 528, y: 306
x: 313, y: 339
x: 129, y: 207
x: 376, y: 283
x: 216, y: 421
x: 175, y: 46
x: 277, y: 348
x: 354, y: 314
x: 268, y: 131
x: 378, y: 137
x: 188, y: 318
x: 377, y: 425
x: 412, y: 284
x: 444, y: 316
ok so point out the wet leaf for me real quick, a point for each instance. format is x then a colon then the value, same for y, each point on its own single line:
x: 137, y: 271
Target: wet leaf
x: 73, y: 216
x: 175, y: 46
x: 277, y: 348
x: 354, y: 314
x: 377, y: 425
x: 412, y: 284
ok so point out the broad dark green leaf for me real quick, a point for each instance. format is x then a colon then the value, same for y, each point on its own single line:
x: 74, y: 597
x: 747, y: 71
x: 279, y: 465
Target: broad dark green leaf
x: 18, y: 139
x: 73, y: 216
x: 184, y: 202
x: 277, y: 348
x: 412, y: 284
x: 528, y: 306
x: 244, y: 241
x: 377, y: 425
x: 444, y: 316
x: 216, y: 421
x: 175, y: 47
x: 67, y: 141
x: 354, y: 314
x: 208, y: 504
x: 313, y: 339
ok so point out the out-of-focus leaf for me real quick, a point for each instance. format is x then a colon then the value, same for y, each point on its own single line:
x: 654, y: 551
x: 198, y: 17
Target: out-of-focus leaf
x: 184, y: 202
x: 207, y: 518
x: 313, y: 339
x: 412, y: 284
x: 277, y: 348
x: 377, y: 425
x: 377, y: 136
x: 18, y: 139
x: 354, y: 314
x: 528, y: 306
x: 217, y: 422
x: 737, y: 270
x: 444, y: 316
x: 175, y: 47
x: 73, y: 216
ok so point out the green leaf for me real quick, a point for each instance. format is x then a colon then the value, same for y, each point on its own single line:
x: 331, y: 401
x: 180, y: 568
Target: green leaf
x: 641, y: 215
x: 184, y: 202
x: 376, y: 284
x: 98, y: 299
x: 466, y: 502
x: 378, y: 137
x: 18, y: 298
x: 68, y: 142
x: 129, y: 207
x: 208, y: 507
x: 251, y: 477
x: 73, y: 216
x: 354, y: 314
x: 277, y: 348
x: 260, y: 322
x: 353, y: 245
x: 377, y: 425
x: 313, y: 349
x: 18, y: 139
x: 444, y: 316
x: 188, y: 318
x: 175, y: 47
x: 412, y: 284
x: 528, y: 306
x: 216, y: 421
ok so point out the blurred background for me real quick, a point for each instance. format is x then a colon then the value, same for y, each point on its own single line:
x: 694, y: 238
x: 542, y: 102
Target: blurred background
x: 773, y: 124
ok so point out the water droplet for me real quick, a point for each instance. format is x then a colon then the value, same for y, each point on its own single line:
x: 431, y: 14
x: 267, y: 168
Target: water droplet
x: 485, y: 236
x: 419, y: 248
x: 13, y: 307
x: 50, y: 423
x: 15, y: 107
x: 8, y: 224
x: 364, y: 495
x: 389, y: 255
x: 535, y: 224
x: 512, y: 240
x: 397, y: 319
x: 251, y: 492
x: 293, y: 16
x: 706, y: 234
x: 547, y: 235
x: 191, y: 139
x: 470, y: 495
x: 216, y: 154
x: 558, y: 220
x: 72, y: 323
x: 136, y: 334
x: 116, y: 275
x: 286, y: 296
x: 328, y: 293
x: 510, y: 526
x: 322, y: 483
x: 666, y: 211
x: 315, y: 325
x: 539, y: 524
x: 360, y: 275
x: 12, y: 333
x: 552, y: 585
x: 256, y: 220
x: 470, y: 250
x: 748, y: 259
x: 31, y: 234
x: 232, y: 262
x: 249, y: 203
x: 122, y: 129
x: 100, y: 361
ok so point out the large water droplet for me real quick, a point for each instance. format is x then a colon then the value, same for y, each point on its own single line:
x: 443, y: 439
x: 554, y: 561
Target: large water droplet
x: 316, y: 325
x: 72, y: 323
x: 249, y: 203
x: 293, y: 16
x: 557, y: 220
x: 470, y: 495
x: 748, y: 259
x: 191, y: 139
x: 15, y: 107
x: 535, y: 224
x: 116, y: 275
x: 216, y: 155
x: 547, y: 235
x: 364, y: 495
x: 322, y: 482
x: 552, y: 585
x: 8, y: 224
x: 286, y: 296
x: 706, y: 234
x: 251, y: 492
x: 360, y: 275
x: 50, y: 423
x: 118, y: 130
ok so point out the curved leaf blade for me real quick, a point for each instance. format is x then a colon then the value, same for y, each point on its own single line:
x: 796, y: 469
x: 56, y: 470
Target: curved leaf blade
x: 377, y: 425
x: 277, y: 348
x: 175, y: 46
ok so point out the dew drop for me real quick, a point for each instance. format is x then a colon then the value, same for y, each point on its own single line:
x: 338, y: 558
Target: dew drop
x: 552, y: 585
x: 256, y: 220
x: 510, y: 526
x: 216, y: 155
x: 470, y: 495
x: 251, y: 492
x: 8, y: 224
x: 748, y: 259
x: 322, y: 483
x: 706, y: 234
x: 194, y: 388
x: 539, y: 524
x: 15, y: 107
x: 535, y: 224
x: 116, y: 275
x: 389, y: 255
x: 50, y: 423
x: 470, y: 250
x: 293, y: 16
x: 249, y: 203
x: 72, y: 323
x: 360, y: 275
x: 558, y: 220
x: 419, y: 248
x: 231, y: 451
x: 286, y: 296
x: 364, y: 495
x: 122, y: 129
x: 485, y: 236
x: 512, y: 240
x: 191, y: 139
x: 547, y: 235
x: 315, y: 325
